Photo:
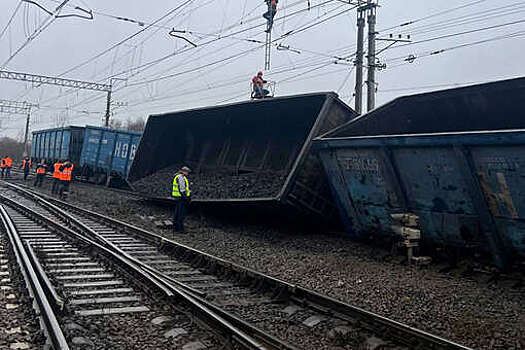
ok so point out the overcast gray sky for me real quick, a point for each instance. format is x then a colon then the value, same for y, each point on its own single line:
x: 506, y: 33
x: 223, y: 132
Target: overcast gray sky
x: 165, y: 73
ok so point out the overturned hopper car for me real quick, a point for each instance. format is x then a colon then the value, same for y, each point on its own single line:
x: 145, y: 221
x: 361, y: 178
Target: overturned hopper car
x: 252, y: 153
x: 451, y: 157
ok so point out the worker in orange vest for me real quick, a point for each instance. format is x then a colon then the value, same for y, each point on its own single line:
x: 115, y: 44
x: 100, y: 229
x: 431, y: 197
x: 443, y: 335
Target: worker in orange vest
x: 258, y: 86
x: 40, y: 173
x: 56, y: 177
x: 66, y: 171
x: 2, y: 164
x: 26, y: 167
x: 8, y: 165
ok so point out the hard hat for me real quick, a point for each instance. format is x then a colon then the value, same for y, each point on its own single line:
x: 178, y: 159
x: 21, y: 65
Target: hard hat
x: 259, y: 73
x: 185, y: 168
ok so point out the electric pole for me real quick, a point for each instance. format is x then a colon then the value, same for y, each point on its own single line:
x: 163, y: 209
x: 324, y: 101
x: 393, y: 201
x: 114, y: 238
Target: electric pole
x: 268, y: 44
x: 371, y: 81
x: 359, y: 61
x: 108, y: 107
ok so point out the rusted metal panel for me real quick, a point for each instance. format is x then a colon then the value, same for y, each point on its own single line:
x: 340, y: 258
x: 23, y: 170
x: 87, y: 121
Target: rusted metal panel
x: 468, y: 188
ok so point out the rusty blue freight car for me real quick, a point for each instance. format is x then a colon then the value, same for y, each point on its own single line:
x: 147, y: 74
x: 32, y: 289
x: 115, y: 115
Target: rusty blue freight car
x: 457, y: 162
x: 107, y: 153
x: 99, y: 154
x: 467, y: 188
x: 58, y: 143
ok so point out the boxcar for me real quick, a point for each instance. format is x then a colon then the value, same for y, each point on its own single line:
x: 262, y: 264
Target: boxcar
x: 107, y: 153
x: 99, y: 154
x: 58, y: 143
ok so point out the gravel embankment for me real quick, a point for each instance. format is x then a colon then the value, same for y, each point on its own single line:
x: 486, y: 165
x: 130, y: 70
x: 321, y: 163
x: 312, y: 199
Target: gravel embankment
x: 468, y: 310
x: 19, y: 328
x: 213, y: 185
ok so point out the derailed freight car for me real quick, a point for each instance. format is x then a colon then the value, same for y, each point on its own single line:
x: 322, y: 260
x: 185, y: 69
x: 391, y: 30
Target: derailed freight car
x: 57, y: 143
x: 253, y: 153
x: 98, y: 153
x: 465, y: 186
x: 107, y: 154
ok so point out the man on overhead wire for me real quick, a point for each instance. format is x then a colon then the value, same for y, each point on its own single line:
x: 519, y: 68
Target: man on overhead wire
x: 272, y: 10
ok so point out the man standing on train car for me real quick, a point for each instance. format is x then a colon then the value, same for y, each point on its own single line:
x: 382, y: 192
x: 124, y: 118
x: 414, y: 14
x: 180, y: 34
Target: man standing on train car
x: 56, y: 177
x: 26, y: 166
x: 66, y: 171
x: 40, y: 173
x: 182, y: 195
x: 8, y: 165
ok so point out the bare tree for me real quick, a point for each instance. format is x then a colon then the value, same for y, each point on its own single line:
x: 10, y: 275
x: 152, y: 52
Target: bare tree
x: 61, y: 119
x: 116, y: 124
x: 136, y: 125
x: 12, y: 148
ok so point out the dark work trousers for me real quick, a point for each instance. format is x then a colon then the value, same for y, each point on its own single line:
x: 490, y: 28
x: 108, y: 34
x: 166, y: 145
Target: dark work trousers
x: 64, y: 189
x: 178, y: 214
x: 56, y: 186
x: 39, y: 179
x: 8, y: 171
x: 3, y: 172
x: 26, y: 172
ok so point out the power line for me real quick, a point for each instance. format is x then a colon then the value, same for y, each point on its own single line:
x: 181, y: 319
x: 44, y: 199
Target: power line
x: 82, y: 64
x: 11, y: 19
x: 437, y: 14
x: 42, y: 27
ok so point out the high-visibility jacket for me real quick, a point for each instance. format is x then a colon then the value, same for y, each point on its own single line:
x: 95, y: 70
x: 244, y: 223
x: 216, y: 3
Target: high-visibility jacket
x: 41, y: 169
x: 178, y: 187
x: 56, y: 171
x: 256, y: 81
x: 66, y: 173
x: 2, y: 163
x: 8, y: 162
x: 26, y: 163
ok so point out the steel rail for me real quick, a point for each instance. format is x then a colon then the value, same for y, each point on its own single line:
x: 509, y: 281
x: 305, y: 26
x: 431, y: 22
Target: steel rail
x: 231, y: 327
x: 45, y: 310
x: 405, y: 334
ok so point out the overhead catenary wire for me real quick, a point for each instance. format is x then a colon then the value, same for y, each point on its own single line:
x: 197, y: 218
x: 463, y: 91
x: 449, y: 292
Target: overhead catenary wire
x: 11, y: 19
x: 153, y: 63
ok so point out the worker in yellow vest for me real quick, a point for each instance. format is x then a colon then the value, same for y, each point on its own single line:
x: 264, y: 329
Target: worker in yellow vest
x: 182, y: 195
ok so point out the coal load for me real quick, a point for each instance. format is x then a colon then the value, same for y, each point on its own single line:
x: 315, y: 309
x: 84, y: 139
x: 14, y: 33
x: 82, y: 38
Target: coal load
x: 216, y: 184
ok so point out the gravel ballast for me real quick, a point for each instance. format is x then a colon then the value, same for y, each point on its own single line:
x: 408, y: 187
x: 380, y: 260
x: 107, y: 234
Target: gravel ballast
x: 473, y: 310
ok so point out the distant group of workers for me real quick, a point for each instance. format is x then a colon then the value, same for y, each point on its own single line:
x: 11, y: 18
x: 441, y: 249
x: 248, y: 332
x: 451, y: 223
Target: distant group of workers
x: 6, y: 163
x: 62, y: 174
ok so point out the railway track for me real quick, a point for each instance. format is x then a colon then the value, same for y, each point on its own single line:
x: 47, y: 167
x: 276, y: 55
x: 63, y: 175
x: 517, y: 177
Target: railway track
x: 270, y: 310
x: 100, y: 299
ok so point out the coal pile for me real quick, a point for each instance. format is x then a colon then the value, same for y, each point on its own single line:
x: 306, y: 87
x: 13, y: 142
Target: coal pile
x: 217, y: 184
